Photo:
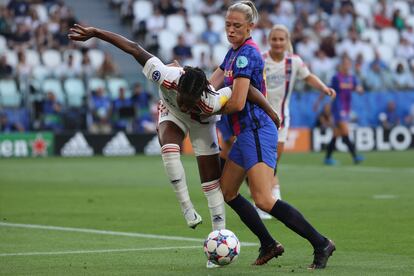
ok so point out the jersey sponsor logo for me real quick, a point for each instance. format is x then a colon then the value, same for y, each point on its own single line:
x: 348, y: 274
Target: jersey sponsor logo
x: 156, y: 75
x: 242, y: 62
x: 77, y: 146
x: 119, y: 145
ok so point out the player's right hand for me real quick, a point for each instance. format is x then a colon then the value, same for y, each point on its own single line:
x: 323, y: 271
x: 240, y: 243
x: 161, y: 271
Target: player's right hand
x: 80, y: 33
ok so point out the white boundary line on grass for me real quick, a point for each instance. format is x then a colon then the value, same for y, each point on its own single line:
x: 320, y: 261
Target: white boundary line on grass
x: 361, y: 169
x: 106, y: 232
x: 97, y: 251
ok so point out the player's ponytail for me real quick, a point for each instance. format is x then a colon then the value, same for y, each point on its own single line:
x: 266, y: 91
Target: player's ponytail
x: 283, y: 28
x: 248, y: 8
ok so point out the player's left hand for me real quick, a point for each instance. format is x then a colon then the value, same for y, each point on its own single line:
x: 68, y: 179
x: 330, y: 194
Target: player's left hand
x: 80, y: 33
x: 330, y: 92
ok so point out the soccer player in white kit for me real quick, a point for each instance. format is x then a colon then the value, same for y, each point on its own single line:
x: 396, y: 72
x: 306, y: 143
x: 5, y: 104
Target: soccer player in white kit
x: 282, y: 68
x: 179, y: 89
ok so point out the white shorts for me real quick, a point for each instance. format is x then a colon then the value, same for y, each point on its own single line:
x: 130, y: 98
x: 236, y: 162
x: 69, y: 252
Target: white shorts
x: 283, y: 131
x: 203, y: 137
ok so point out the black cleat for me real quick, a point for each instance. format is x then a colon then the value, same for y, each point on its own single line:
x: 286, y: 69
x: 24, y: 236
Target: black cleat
x: 268, y: 252
x: 322, y: 255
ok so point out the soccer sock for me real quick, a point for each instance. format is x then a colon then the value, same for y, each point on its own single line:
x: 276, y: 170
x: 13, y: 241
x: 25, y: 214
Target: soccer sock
x: 251, y: 219
x: 331, y: 147
x: 350, y: 145
x: 215, y: 201
x: 175, y: 172
x: 295, y: 221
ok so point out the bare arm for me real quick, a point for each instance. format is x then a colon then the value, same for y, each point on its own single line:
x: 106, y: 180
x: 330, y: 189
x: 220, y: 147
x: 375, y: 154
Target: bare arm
x: 316, y: 83
x: 238, y: 98
x: 217, y: 78
x: 80, y: 33
x: 255, y: 96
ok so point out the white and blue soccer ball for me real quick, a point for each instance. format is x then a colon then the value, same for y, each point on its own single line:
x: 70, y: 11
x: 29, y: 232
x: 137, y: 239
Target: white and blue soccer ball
x: 222, y: 247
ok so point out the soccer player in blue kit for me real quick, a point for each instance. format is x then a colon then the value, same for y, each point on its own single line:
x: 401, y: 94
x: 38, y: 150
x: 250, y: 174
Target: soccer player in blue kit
x: 344, y: 82
x: 254, y: 151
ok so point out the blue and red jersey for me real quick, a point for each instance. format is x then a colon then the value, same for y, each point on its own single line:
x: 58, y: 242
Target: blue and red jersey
x: 344, y: 85
x: 246, y: 62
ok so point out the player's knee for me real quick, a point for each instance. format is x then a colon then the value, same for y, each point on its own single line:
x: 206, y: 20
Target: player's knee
x: 228, y: 194
x: 264, y: 203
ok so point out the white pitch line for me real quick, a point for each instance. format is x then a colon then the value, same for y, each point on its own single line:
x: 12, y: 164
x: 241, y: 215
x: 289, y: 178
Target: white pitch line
x: 96, y: 251
x: 361, y: 169
x: 106, y: 232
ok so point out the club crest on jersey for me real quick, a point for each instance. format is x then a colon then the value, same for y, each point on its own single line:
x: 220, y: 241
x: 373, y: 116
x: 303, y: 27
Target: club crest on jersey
x: 242, y: 62
x: 156, y: 75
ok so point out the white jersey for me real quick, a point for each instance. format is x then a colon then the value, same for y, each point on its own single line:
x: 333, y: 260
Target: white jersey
x: 168, y: 77
x: 280, y: 79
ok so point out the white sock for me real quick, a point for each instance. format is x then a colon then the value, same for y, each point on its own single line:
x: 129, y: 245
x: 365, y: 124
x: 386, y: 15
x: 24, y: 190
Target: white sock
x: 215, y: 201
x: 276, y: 192
x: 175, y: 172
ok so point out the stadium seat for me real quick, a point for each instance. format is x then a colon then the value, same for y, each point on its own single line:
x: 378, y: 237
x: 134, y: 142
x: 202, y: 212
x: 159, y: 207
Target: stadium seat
x: 51, y: 58
x: 9, y: 95
x: 219, y: 52
x: 198, y: 49
x: 142, y: 10
x: 386, y: 52
x: 167, y: 40
x: 41, y: 12
x: 198, y: 23
x: 176, y: 23
x: 97, y: 57
x: 113, y: 86
x: 224, y: 40
x: 32, y: 57
x: 363, y: 9
x: 410, y: 20
x: 77, y: 56
x: 75, y: 92
x: 403, y: 6
x: 368, y: 52
x: 41, y: 72
x: 3, y: 44
x: 390, y: 36
x: 11, y: 57
x: 395, y: 61
x: 95, y: 83
x: 218, y: 22
x: 372, y: 35
x: 55, y: 86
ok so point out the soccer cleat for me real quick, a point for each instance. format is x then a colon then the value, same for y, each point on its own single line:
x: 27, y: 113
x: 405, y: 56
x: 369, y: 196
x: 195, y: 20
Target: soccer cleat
x: 268, y: 252
x: 262, y: 214
x: 358, y: 159
x: 322, y: 255
x: 193, y: 218
x: 210, y: 265
x: 331, y: 162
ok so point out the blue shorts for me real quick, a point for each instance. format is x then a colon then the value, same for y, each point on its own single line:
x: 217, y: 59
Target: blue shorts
x: 225, y: 129
x: 340, y: 116
x: 254, y: 146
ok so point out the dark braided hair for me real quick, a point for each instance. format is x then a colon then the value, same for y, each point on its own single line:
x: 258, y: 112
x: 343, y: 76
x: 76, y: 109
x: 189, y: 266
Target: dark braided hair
x: 193, y: 84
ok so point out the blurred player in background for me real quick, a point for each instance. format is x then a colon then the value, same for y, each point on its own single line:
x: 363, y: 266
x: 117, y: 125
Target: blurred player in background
x: 282, y: 68
x: 254, y: 151
x: 344, y: 83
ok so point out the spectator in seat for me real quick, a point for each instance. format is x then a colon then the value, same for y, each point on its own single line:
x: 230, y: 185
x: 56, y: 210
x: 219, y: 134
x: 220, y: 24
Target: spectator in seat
x: 381, y: 18
x: 209, y: 36
x: 108, y: 67
x: 389, y: 118
x: 398, y: 20
x: 7, y: 126
x: 101, y: 111
x: 21, y: 38
x: 182, y: 52
x: 122, y: 117
x: 52, y: 113
x: 69, y: 69
x: 378, y: 78
x: 6, y: 70
x: 402, y: 79
x: 141, y: 100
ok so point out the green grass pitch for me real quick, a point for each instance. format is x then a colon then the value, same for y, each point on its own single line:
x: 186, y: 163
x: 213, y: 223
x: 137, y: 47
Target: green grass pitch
x: 367, y: 209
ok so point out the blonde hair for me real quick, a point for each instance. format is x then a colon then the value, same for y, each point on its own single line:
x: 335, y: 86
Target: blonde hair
x: 247, y: 8
x: 283, y: 28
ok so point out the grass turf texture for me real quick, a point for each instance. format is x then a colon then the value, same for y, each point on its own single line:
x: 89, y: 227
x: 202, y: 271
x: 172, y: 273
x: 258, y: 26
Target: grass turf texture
x: 367, y: 209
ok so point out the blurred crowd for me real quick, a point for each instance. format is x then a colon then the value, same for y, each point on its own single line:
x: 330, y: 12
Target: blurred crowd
x: 49, y: 82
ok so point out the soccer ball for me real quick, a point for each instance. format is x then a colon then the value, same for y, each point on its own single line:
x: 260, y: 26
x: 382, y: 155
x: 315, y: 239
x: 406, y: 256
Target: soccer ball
x: 222, y: 247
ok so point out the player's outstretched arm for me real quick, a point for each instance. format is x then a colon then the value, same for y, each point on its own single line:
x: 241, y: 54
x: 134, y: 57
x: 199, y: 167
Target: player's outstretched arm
x: 316, y: 83
x: 81, y: 33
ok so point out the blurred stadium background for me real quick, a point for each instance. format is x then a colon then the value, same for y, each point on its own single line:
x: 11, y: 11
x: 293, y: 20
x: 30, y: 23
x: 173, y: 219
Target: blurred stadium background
x: 78, y: 92
x: 116, y: 215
